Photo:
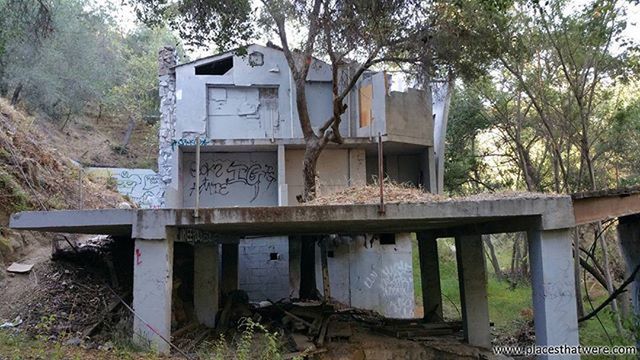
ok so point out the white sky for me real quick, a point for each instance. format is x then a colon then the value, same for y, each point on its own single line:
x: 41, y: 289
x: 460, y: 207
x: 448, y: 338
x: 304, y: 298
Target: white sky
x: 126, y: 18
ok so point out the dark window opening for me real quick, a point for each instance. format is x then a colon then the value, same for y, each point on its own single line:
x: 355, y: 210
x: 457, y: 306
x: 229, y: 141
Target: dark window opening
x: 330, y: 254
x: 274, y: 256
x: 219, y: 67
x: 387, y: 239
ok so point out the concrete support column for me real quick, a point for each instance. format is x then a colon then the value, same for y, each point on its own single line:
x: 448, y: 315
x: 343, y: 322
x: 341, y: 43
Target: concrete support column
x: 152, y: 286
x: 629, y: 235
x: 206, y: 282
x: 472, y: 275
x: 283, y: 189
x: 229, y: 268
x: 430, y: 277
x: 295, y: 254
x: 428, y: 170
x: 553, y: 286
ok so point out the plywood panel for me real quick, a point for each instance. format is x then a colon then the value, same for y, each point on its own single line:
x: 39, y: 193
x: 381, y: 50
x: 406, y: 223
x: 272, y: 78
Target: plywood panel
x: 366, y: 100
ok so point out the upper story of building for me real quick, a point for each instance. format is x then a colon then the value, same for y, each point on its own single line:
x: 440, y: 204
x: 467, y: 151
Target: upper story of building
x: 232, y: 98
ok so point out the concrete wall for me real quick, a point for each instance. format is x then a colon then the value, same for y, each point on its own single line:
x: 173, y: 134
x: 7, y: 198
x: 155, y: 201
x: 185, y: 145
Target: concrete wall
x: 264, y: 268
x: 365, y: 274
x: 401, y: 168
x: 143, y: 186
x: 231, y: 179
x: 197, y: 105
x: 407, y: 118
x: 337, y: 169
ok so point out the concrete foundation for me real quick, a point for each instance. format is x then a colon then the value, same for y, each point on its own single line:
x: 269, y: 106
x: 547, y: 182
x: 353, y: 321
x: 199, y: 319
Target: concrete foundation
x: 552, y: 277
x: 472, y: 274
x: 206, y: 262
x: 152, y: 286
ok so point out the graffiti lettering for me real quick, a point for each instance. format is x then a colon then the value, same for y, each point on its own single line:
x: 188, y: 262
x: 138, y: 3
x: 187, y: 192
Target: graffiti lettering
x: 142, y: 186
x: 396, y: 285
x: 216, y: 176
x: 371, y: 279
x: 188, y: 142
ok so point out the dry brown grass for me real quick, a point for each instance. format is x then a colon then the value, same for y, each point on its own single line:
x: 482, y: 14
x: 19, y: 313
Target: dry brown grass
x: 406, y: 193
x: 37, y: 176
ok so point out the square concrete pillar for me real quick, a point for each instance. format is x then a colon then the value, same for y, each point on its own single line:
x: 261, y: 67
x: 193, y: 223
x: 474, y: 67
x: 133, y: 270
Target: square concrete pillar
x: 229, y: 268
x: 206, y: 260
x: 430, y: 277
x: 629, y: 235
x: 152, y: 286
x: 472, y: 275
x: 553, y: 287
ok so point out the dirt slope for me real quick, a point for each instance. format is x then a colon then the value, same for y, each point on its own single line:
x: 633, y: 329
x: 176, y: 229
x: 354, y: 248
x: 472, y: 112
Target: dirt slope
x: 35, y: 174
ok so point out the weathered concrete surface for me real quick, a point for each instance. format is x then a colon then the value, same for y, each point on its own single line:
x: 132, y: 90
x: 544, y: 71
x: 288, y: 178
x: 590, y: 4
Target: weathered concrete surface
x: 206, y: 282
x: 472, y: 275
x: 337, y: 169
x: 152, y: 286
x: 553, y: 286
x: 366, y: 273
x: 536, y: 213
x: 143, y: 186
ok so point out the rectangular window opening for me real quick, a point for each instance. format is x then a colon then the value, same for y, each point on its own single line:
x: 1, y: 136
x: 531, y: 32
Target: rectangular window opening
x: 387, y: 239
x: 330, y: 253
x: 218, y: 67
x: 274, y: 256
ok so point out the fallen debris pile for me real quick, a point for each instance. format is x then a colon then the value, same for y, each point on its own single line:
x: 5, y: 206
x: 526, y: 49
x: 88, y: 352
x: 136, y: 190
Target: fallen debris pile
x: 73, y: 300
x: 319, y: 330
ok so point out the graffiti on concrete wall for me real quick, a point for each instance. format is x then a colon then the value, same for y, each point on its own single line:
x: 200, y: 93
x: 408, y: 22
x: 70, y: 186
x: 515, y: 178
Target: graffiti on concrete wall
x: 396, y: 284
x: 217, y: 177
x: 188, y: 142
x: 142, y: 186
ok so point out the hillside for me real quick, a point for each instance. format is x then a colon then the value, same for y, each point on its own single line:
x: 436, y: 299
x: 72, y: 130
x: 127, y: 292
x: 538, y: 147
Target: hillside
x: 39, y: 171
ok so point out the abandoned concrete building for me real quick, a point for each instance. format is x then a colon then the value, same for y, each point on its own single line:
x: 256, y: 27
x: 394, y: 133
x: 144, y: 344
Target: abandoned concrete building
x: 251, y: 151
x: 237, y: 216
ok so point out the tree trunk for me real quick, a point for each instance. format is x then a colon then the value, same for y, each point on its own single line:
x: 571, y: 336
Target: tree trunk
x: 311, y: 154
x: 15, y: 99
x: 127, y: 134
x: 608, y: 277
x: 492, y: 257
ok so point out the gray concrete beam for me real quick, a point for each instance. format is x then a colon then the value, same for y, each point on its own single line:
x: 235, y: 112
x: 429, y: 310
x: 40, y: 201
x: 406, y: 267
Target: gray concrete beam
x: 152, y: 286
x: 206, y: 289
x: 430, y: 277
x: 472, y: 275
x: 553, y: 287
x: 555, y: 212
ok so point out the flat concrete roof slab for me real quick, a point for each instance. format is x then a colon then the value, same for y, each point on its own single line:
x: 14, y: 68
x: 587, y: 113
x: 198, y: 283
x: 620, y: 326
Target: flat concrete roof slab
x: 553, y: 212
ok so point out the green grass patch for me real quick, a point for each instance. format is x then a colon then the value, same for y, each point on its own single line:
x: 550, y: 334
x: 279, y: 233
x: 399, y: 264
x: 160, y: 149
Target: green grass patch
x: 509, y: 308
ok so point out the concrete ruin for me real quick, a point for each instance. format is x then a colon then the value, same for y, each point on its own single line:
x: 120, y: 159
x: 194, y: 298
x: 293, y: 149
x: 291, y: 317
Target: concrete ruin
x: 235, y: 113
x: 240, y: 107
x: 548, y: 221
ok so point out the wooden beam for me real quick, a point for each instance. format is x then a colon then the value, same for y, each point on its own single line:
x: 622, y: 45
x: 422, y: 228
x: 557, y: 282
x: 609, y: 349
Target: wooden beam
x: 592, y: 209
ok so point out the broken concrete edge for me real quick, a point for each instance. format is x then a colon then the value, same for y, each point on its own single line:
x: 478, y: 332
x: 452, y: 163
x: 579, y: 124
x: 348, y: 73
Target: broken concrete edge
x: 554, y: 212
